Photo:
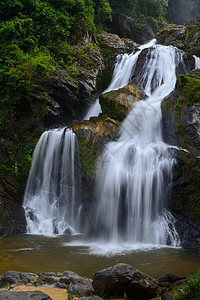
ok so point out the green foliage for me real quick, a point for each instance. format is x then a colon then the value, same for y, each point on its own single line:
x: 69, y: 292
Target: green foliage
x: 189, y: 88
x: 140, y: 8
x: 190, y: 290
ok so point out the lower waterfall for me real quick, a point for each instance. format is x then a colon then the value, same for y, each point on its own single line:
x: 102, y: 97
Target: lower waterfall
x: 134, y: 173
x: 52, y: 197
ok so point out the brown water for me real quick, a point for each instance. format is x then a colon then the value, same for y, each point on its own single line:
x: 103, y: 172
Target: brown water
x: 44, y: 254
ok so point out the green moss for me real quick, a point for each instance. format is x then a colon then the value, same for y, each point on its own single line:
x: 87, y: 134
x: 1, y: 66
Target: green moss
x: 182, y: 129
x: 111, y: 106
x: 88, y: 153
x: 189, y: 89
x: 192, y: 203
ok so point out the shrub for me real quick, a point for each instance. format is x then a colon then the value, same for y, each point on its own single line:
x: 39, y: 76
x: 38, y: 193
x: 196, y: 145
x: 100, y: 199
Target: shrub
x: 189, y: 290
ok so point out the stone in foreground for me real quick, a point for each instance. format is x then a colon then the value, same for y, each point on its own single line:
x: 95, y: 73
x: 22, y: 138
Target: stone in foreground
x: 122, y: 279
x: 34, y: 295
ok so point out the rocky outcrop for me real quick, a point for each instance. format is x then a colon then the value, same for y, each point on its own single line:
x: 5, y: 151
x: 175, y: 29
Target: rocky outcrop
x: 13, y: 278
x: 185, y: 37
x: 181, y: 128
x: 117, y: 104
x: 92, y: 137
x: 121, y: 280
x: 74, y: 284
x: 127, y: 27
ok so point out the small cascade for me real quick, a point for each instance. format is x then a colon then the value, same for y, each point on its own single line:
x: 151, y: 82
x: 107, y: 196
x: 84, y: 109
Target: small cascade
x: 123, y: 71
x: 135, y: 172
x: 52, y: 197
x: 197, y: 62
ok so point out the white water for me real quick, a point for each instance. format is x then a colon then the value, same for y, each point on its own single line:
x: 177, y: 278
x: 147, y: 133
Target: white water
x: 134, y: 173
x: 123, y: 71
x: 197, y: 62
x: 52, y: 197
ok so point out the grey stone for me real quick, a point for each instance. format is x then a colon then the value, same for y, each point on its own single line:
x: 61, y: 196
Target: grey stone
x: 35, y: 295
x: 11, y: 278
x: 123, y: 279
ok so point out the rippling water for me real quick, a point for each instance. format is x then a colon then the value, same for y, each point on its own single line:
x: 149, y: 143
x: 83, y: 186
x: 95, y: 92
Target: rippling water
x: 44, y: 254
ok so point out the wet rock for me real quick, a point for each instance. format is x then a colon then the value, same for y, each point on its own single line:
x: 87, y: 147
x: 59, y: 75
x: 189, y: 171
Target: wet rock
x: 35, y: 295
x: 11, y: 278
x: 121, y: 279
x: 181, y: 128
x: 117, y: 104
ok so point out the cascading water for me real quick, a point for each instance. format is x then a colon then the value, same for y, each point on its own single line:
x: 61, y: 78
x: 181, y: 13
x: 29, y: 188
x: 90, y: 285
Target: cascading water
x: 134, y: 172
x: 197, y: 62
x: 51, y: 199
x: 123, y: 71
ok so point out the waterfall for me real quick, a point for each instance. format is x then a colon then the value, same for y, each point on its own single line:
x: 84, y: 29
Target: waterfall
x: 120, y: 77
x: 134, y: 173
x: 51, y: 198
x: 197, y: 62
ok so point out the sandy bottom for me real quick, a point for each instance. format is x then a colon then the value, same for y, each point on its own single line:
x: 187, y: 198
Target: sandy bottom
x: 54, y: 293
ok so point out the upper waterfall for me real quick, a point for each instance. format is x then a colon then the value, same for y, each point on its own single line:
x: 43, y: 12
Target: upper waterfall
x: 134, y: 173
x: 122, y: 73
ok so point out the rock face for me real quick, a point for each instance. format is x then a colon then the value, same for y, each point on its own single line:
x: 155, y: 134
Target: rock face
x: 121, y: 280
x: 125, y: 26
x: 185, y: 37
x: 181, y: 127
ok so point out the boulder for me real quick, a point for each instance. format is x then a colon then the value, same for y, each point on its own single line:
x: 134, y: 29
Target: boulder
x: 114, y: 42
x: 121, y: 280
x: 35, y: 295
x: 75, y: 284
x: 94, y: 297
x: 169, y: 280
x: 12, y: 278
x: 116, y: 104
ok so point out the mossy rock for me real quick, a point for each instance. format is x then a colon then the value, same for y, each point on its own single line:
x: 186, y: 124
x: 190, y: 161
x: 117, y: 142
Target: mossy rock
x: 116, y: 104
x: 92, y: 136
x: 185, y: 37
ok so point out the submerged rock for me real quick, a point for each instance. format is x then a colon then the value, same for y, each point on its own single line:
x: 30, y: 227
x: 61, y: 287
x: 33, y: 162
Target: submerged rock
x: 121, y: 280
